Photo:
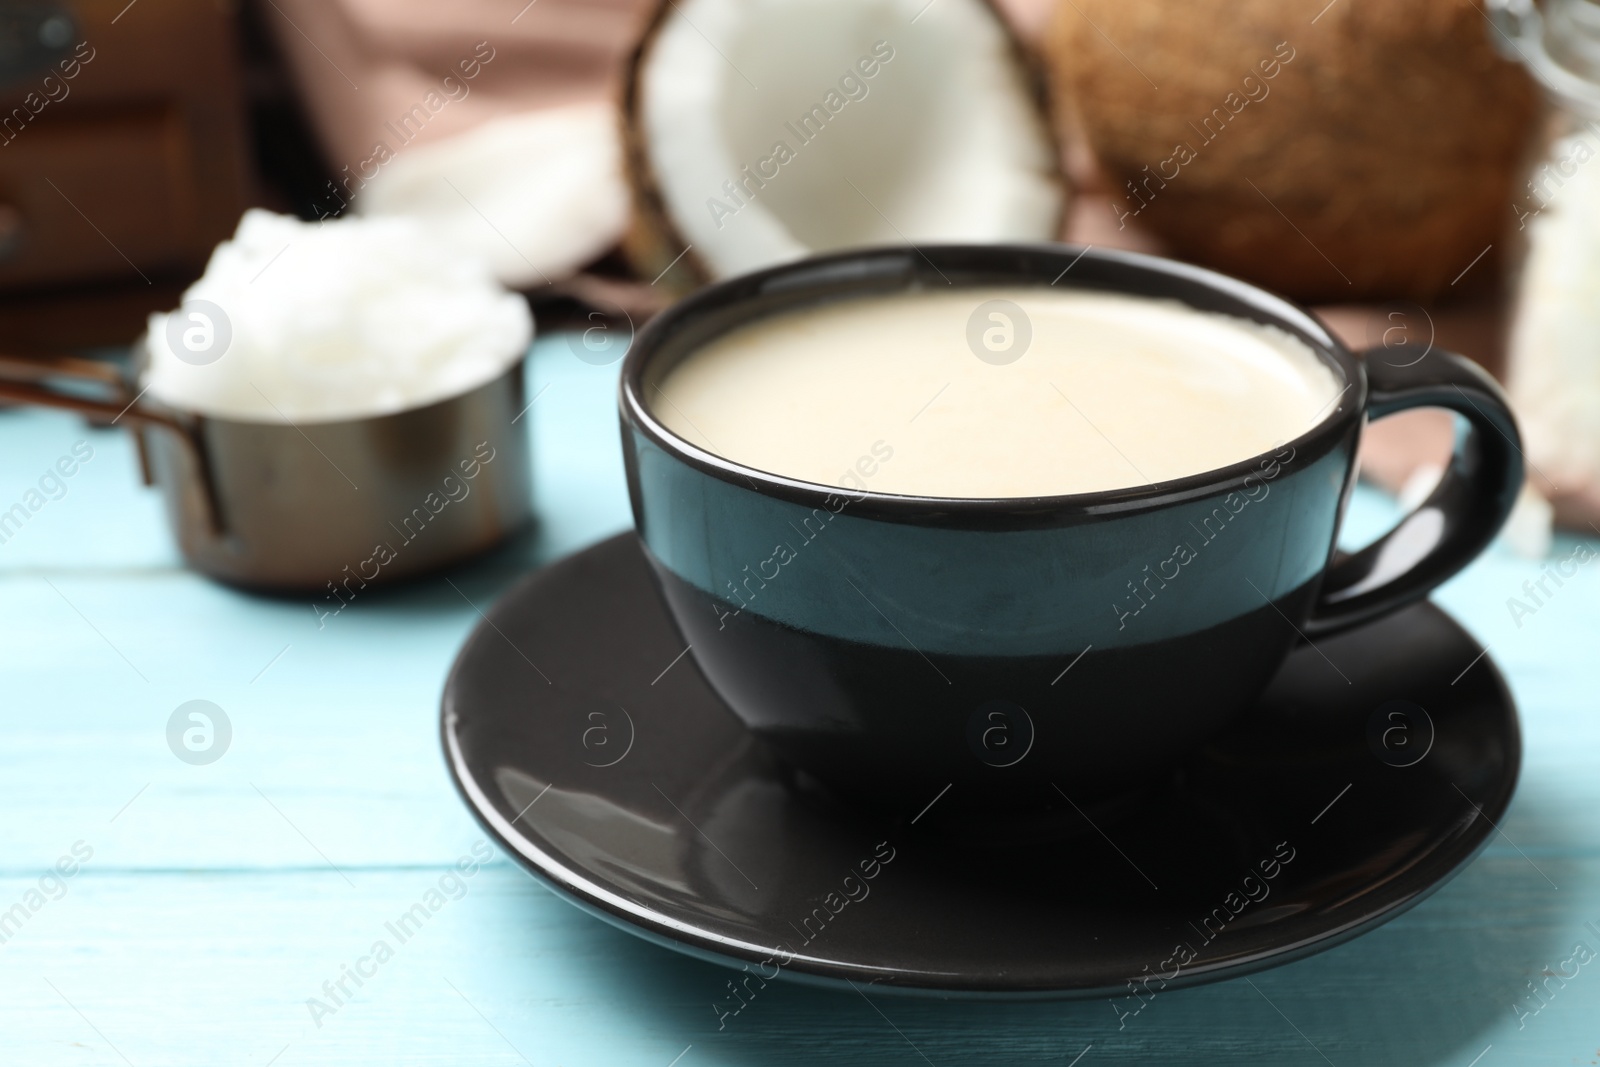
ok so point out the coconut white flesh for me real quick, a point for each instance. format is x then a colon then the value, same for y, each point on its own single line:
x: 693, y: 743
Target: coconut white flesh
x: 943, y: 142
x: 536, y: 195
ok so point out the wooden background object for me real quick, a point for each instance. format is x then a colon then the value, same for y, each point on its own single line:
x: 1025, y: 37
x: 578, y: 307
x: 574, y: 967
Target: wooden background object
x: 118, y: 181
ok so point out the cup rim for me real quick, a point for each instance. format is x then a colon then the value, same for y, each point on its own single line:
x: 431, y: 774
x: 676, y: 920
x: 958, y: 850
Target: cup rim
x: 814, y: 279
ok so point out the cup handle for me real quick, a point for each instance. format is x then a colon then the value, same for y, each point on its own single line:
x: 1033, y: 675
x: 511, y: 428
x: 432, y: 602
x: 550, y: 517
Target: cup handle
x: 1463, y: 513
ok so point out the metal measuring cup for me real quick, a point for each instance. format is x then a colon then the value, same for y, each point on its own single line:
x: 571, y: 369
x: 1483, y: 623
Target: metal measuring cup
x: 328, y: 506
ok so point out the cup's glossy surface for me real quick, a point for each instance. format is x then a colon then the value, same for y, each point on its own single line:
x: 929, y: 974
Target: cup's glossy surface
x: 893, y: 645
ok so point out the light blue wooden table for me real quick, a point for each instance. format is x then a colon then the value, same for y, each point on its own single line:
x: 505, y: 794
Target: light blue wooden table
x: 216, y: 899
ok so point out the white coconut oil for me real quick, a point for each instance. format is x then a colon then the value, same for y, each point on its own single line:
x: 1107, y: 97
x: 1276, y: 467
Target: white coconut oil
x: 344, y: 319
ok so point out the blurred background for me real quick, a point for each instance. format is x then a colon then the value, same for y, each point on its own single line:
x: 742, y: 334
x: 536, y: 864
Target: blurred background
x: 1418, y: 172
x: 1383, y: 171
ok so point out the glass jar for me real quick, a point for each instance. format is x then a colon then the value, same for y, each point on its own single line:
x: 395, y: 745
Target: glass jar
x: 1554, y: 338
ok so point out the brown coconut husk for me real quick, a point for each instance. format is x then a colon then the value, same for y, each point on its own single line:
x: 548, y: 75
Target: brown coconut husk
x: 1382, y: 161
x: 652, y: 241
x: 653, y: 244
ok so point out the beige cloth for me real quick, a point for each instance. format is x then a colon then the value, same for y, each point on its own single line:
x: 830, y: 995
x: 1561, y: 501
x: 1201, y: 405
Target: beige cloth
x: 361, y: 64
x: 491, y: 121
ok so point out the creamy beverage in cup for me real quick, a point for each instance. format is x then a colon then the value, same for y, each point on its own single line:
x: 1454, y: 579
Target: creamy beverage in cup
x: 996, y: 392
x: 1006, y: 524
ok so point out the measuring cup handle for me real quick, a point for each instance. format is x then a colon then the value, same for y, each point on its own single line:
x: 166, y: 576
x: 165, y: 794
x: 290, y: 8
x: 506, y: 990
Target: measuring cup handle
x: 30, y: 380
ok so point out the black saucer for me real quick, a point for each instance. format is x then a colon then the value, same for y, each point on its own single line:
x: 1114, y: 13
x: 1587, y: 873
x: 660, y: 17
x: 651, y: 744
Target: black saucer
x: 1363, y: 781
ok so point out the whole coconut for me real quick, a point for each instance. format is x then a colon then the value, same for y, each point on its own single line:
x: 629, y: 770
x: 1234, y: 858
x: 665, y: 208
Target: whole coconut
x: 1366, y: 149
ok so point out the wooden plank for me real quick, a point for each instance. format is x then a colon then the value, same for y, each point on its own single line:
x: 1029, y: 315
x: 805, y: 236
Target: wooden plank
x: 216, y: 967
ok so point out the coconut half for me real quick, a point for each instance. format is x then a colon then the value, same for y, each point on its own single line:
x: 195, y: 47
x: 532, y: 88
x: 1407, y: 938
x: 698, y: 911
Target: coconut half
x: 761, y: 131
x: 538, y: 195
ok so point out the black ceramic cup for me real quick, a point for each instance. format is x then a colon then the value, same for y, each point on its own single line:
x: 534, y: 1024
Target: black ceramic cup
x: 1029, y: 650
